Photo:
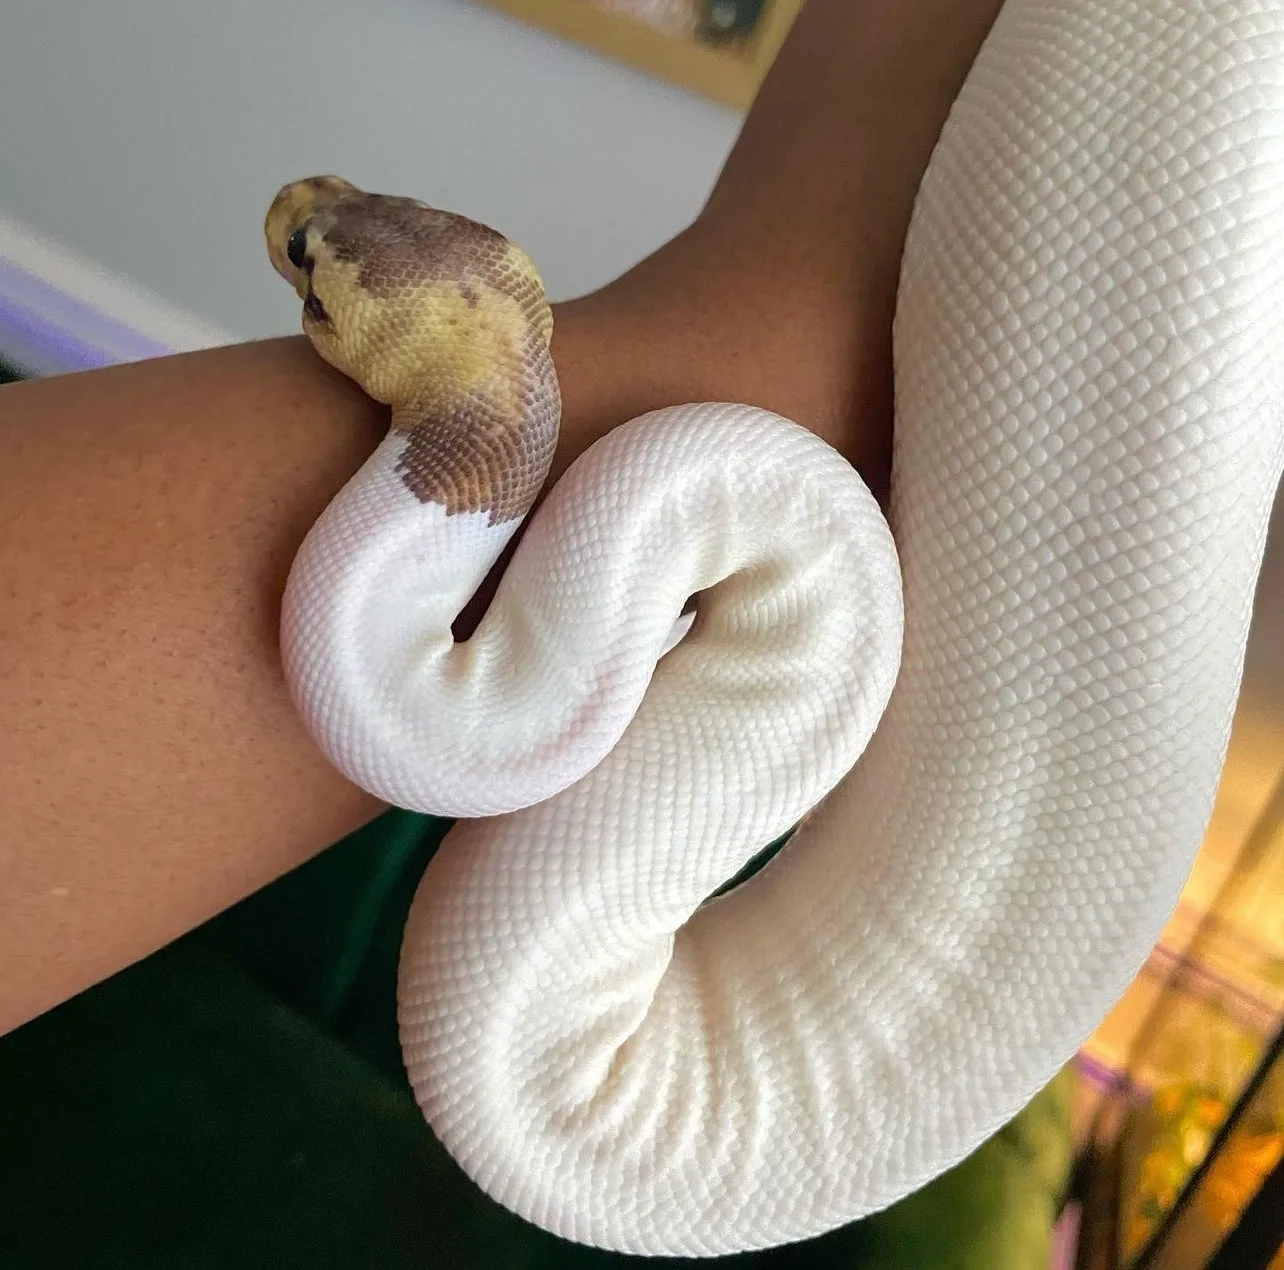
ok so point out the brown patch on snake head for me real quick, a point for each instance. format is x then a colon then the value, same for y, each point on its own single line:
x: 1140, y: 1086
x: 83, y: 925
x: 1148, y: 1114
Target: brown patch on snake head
x: 482, y: 452
x: 398, y: 243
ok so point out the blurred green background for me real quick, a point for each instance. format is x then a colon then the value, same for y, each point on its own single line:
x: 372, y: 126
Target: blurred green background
x: 237, y: 1100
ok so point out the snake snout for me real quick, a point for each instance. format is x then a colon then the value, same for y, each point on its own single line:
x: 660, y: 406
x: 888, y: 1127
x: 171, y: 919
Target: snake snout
x: 295, y: 208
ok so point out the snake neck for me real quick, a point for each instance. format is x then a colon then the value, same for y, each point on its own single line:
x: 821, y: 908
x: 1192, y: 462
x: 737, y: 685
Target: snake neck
x: 419, y: 528
x: 485, y: 446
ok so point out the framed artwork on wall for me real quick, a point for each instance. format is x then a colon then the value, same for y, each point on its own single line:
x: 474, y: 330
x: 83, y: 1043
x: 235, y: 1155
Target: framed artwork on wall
x: 721, y: 48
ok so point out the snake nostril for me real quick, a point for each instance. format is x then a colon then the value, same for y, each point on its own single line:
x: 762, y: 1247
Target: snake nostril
x: 296, y: 248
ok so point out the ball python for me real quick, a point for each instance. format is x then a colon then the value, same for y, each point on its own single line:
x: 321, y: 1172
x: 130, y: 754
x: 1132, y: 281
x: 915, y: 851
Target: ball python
x: 995, y: 718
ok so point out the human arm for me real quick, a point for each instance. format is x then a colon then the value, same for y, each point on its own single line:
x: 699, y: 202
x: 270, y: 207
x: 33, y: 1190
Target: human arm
x: 152, y: 769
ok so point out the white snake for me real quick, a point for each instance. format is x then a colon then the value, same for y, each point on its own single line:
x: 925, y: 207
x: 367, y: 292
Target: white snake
x: 1089, y: 436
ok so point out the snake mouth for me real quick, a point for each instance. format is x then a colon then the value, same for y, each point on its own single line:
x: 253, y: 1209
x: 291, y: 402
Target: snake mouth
x: 313, y: 307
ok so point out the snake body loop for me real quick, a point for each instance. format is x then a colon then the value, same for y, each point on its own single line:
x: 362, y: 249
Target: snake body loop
x: 1001, y: 720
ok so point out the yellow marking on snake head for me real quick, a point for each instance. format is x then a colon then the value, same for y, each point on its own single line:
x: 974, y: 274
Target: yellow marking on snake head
x: 400, y: 295
x: 436, y: 315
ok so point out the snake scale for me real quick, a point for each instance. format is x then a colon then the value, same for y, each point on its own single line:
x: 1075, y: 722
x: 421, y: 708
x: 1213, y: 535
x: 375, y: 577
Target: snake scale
x: 998, y: 715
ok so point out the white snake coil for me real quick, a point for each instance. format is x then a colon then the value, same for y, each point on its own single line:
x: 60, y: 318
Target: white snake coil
x: 1089, y: 436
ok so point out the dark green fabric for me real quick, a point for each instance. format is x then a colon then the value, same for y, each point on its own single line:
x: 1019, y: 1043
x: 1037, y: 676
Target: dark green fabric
x: 237, y: 1100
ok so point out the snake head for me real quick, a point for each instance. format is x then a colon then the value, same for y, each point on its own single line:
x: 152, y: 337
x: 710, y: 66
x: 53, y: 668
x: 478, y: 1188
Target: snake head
x: 412, y: 302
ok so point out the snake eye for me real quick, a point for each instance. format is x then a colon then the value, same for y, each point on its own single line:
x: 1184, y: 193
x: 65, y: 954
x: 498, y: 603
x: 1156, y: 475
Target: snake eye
x: 296, y: 249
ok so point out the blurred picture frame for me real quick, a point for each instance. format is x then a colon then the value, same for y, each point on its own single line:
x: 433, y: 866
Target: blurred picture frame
x: 719, y: 48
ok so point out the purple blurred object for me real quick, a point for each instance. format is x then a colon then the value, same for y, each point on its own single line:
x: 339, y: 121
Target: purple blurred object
x: 45, y: 331
x: 61, y: 313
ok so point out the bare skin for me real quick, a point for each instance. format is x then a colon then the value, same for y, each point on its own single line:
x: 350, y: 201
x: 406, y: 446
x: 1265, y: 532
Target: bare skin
x: 152, y: 768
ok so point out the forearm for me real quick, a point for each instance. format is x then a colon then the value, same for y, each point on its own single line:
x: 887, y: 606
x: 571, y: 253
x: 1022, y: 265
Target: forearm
x: 789, y: 278
x: 152, y: 768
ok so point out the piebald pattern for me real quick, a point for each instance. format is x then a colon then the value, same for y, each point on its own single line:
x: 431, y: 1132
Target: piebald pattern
x: 999, y: 714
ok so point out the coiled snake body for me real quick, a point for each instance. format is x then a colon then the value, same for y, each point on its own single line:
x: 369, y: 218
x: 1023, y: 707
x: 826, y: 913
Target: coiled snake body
x: 1001, y: 721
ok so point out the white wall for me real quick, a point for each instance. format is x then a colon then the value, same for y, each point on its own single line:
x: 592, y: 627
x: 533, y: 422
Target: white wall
x: 150, y: 135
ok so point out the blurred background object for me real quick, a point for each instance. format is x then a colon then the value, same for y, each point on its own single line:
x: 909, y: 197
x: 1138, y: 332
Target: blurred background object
x: 1186, y: 1078
x: 1181, y: 1096
x: 60, y: 312
x: 721, y: 48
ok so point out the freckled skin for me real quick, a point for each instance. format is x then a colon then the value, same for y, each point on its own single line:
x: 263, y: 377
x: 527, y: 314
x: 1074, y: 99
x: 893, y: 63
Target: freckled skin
x: 439, y: 317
